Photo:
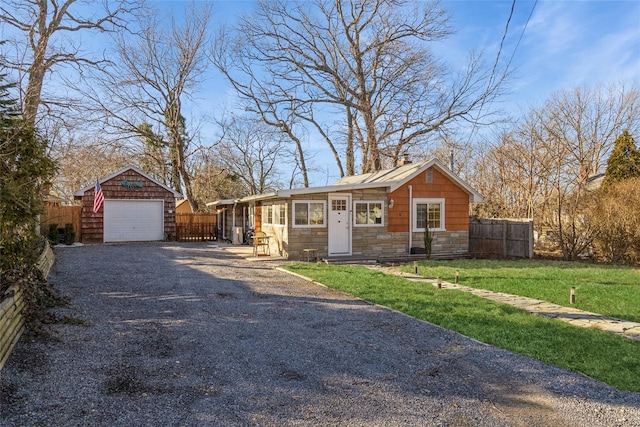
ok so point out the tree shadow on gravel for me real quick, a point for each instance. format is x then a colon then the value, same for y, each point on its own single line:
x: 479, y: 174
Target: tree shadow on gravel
x: 190, y: 335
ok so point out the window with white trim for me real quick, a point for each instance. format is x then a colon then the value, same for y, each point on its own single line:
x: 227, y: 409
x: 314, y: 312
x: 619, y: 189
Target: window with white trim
x: 274, y: 214
x: 309, y: 213
x: 428, y: 212
x: 267, y: 214
x: 369, y: 213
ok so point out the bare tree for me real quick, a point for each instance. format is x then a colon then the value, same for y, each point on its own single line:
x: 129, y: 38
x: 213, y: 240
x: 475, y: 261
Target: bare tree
x: 367, y: 62
x: 143, y: 94
x: 615, y: 213
x: 251, y: 150
x: 510, y: 174
x: 79, y: 163
x: 211, y: 178
x: 578, y: 129
x: 541, y: 168
x: 46, y: 43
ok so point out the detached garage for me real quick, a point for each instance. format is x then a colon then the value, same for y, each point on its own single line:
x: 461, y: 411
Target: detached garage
x: 136, y: 208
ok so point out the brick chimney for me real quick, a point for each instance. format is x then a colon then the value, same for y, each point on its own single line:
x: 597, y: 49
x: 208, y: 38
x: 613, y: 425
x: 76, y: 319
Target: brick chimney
x: 404, y: 160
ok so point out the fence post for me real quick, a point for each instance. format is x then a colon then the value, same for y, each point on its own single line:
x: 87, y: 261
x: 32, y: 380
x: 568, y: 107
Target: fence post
x: 530, y: 240
x: 504, y: 238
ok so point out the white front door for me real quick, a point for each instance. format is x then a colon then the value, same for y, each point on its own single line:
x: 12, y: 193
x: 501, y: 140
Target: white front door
x: 339, y: 224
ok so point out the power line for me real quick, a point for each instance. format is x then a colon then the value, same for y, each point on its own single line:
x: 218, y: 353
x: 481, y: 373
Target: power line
x: 495, y: 65
x: 522, y: 34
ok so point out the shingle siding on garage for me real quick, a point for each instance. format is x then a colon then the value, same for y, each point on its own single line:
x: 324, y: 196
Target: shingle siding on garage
x: 93, y: 224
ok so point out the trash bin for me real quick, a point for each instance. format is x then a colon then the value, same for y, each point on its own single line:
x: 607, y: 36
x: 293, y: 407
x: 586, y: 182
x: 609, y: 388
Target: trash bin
x: 237, y: 236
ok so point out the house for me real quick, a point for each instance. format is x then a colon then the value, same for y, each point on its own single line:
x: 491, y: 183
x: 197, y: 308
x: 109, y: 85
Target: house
x: 594, y: 182
x: 379, y: 214
x: 183, y: 206
x: 136, y: 208
x: 49, y: 199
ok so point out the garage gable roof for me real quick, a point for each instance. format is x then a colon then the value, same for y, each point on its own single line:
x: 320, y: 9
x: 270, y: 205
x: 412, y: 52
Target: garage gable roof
x: 80, y: 193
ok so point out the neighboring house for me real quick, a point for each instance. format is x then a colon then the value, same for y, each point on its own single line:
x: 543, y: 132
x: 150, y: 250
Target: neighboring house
x: 594, y: 182
x: 51, y: 200
x: 183, y: 206
x: 136, y: 208
x: 372, y: 215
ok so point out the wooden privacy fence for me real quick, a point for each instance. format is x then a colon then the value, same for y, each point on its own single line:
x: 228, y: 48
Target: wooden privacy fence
x: 62, y: 215
x: 505, y: 238
x: 196, y: 227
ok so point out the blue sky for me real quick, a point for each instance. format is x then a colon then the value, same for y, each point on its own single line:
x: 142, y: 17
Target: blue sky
x: 566, y: 43
x: 554, y: 45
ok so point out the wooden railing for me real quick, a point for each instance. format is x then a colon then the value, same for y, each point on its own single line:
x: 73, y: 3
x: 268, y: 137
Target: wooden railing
x: 196, y: 227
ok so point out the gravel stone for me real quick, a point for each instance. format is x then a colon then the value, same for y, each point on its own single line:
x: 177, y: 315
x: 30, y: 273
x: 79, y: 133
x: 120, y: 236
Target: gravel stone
x: 191, y: 335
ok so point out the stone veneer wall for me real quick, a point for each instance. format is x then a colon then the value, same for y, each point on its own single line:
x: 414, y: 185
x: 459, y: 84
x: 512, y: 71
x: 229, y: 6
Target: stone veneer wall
x: 370, y: 241
x: 367, y: 241
x: 375, y: 240
x: 445, y: 242
x: 305, y: 238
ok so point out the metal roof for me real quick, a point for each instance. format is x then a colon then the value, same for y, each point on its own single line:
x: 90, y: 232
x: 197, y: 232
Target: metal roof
x: 392, y: 179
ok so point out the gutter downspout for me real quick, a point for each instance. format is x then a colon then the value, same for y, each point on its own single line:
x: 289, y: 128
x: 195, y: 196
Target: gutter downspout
x: 224, y: 224
x: 244, y: 219
x: 233, y: 222
x: 410, y: 218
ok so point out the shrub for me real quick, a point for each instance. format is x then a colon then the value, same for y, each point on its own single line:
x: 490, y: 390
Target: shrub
x: 69, y: 234
x: 39, y: 296
x: 54, y: 234
x: 616, y: 213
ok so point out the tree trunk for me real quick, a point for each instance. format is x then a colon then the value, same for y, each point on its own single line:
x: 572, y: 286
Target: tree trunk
x: 350, y: 158
x: 34, y: 86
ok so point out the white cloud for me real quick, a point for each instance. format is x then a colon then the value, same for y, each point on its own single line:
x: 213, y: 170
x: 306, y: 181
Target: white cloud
x: 570, y: 43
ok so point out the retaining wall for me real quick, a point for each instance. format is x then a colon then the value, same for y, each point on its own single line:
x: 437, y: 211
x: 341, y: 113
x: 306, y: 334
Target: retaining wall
x: 11, y: 306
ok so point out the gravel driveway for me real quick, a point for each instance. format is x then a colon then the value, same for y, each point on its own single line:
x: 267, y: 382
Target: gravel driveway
x: 191, y: 335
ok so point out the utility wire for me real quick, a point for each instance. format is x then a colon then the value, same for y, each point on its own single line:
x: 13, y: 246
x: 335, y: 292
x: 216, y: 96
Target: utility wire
x: 495, y: 65
x: 504, y: 36
x: 522, y: 33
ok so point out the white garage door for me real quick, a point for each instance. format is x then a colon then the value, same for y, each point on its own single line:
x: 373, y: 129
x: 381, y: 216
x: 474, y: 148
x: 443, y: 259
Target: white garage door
x: 133, y: 220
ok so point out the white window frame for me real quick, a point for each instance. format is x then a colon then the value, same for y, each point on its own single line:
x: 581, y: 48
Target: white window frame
x: 414, y: 212
x: 275, y: 214
x: 308, y: 203
x: 266, y: 217
x: 368, y: 203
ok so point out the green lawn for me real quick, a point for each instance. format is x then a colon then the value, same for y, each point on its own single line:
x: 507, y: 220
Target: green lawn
x: 612, y: 359
x: 605, y: 289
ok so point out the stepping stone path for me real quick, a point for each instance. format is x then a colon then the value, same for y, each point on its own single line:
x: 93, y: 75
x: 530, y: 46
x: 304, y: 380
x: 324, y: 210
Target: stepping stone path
x: 570, y: 315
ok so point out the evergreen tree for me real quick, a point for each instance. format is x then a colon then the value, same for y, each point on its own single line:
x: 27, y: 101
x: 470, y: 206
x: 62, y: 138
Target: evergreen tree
x: 24, y: 168
x: 624, y: 162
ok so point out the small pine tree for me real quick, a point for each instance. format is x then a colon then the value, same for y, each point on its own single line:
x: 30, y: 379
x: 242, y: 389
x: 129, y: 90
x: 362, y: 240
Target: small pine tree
x: 69, y: 234
x: 428, y: 242
x: 54, y: 234
x: 624, y: 162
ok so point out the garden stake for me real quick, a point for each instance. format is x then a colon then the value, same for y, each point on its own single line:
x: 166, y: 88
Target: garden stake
x: 439, y: 283
x: 457, y: 275
x: 415, y: 267
x: 572, y: 296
